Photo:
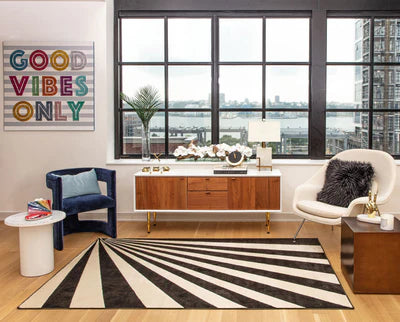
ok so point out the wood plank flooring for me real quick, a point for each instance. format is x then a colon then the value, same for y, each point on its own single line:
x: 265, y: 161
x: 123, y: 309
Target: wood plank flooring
x: 15, y: 288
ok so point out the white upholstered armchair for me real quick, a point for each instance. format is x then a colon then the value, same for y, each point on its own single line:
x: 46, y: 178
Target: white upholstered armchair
x: 305, y: 202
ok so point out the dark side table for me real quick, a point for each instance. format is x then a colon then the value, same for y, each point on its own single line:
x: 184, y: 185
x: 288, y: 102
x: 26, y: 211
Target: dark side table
x: 370, y: 257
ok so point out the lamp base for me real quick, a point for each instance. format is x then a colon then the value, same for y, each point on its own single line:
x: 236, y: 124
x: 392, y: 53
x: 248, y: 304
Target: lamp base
x: 264, y: 158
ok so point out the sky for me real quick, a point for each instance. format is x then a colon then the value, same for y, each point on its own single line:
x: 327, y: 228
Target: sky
x: 240, y: 40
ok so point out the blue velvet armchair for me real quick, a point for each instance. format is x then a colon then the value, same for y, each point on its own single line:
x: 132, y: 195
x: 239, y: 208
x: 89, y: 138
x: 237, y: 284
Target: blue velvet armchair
x: 74, y: 205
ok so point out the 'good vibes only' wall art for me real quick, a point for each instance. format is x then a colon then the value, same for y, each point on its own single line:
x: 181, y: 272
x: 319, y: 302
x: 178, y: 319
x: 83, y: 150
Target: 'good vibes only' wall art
x: 48, y: 86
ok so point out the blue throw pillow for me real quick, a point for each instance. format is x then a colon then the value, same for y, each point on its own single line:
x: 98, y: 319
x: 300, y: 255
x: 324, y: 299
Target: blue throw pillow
x: 83, y: 183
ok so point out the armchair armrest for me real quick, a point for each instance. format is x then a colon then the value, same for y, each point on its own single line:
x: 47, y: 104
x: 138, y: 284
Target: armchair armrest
x: 357, y: 201
x: 54, y: 183
x: 306, y: 191
x: 107, y: 176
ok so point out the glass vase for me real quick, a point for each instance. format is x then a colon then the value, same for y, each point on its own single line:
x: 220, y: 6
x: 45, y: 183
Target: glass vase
x: 145, y: 144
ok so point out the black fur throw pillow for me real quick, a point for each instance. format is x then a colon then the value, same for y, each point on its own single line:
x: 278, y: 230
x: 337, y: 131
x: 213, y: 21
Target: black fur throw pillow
x: 345, y: 181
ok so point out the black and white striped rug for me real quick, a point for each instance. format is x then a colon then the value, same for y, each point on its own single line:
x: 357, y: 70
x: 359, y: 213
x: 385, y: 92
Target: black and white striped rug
x: 195, y: 273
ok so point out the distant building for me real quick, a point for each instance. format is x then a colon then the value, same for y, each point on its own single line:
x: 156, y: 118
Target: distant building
x: 386, y: 91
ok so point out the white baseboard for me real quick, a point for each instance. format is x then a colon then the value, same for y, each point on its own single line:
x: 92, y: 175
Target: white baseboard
x: 206, y: 217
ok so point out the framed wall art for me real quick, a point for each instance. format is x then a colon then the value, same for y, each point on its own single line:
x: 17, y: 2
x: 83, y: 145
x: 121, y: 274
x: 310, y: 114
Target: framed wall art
x: 48, y: 86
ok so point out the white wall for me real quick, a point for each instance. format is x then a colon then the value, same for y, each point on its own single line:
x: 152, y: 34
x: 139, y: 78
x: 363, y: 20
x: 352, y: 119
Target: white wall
x: 22, y: 169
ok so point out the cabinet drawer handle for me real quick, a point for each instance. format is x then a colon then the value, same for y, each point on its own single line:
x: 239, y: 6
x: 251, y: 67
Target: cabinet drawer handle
x: 233, y: 179
x: 208, y: 192
x: 207, y: 179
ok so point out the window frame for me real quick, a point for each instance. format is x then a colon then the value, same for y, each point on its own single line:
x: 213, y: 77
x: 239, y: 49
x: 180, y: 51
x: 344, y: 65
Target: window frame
x: 372, y: 64
x: 318, y: 10
x: 215, y: 66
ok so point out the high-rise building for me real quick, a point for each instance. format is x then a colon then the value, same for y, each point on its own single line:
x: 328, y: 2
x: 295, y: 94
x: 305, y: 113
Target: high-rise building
x: 386, y: 82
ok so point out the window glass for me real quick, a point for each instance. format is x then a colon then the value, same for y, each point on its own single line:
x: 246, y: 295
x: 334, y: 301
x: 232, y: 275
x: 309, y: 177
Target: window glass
x: 135, y: 77
x: 387, y: 40
x: 234, y: 127
x: 189, y: 86
x: 189, y: 40
x: 348, y: 40
x: 287, y: 86
x: 142, y: 40
x: 386, y: 131
x: 386, y: 87
x: 240, y: 86
x: 346, y: 130
x: 240, y: 39
x: 287, y: 39
x: 347, y: 87
x: 132, y: 133
x: 294, y: 132
x: 187, y: 127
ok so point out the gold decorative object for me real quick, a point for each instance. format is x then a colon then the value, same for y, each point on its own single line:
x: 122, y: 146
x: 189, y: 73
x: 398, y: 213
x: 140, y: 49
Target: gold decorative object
x: 156, y: 169
x: 371, y: 206
x: 146, y: 169
x: 166, y: 168
x: 157, y: 156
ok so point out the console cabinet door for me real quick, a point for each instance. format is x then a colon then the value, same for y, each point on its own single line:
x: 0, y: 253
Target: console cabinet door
x: 161, y: 193
x: 241, y: 193
x: 268, y: 193
x: 258, y: 193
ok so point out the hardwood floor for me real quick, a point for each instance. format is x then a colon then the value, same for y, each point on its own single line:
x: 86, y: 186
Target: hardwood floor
x: 16, y: 288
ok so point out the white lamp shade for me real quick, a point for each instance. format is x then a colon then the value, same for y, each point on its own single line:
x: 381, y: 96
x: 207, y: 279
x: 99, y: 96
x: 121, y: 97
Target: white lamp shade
x: 264, y: 131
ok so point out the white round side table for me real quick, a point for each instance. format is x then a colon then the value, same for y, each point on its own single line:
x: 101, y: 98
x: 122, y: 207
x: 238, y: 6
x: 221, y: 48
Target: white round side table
x: 35, y: 242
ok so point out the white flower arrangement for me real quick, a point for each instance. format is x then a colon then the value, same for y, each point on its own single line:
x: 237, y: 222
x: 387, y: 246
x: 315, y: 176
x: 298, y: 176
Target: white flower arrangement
x: 218, y: 151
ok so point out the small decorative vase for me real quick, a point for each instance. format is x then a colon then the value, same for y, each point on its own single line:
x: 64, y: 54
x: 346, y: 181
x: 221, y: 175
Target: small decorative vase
x: 145, y: 144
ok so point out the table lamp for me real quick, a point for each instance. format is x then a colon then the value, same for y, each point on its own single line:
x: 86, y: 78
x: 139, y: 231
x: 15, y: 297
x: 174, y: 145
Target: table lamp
x: 264, y: 131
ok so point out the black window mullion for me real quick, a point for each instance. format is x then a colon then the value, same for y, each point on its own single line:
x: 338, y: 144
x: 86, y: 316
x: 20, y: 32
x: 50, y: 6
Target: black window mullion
x: 117, y: 101
x: 317, y: 114
x: 263, y: 97
x: 371, y: 81
x: 166, y: 101
x: 215, y: 80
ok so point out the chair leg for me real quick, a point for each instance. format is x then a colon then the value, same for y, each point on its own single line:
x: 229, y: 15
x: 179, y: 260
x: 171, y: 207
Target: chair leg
x: 148, y: 222
x: 112, y: 222
x: 71, y: 224
x: 298, y: 230
x: 58, y: 235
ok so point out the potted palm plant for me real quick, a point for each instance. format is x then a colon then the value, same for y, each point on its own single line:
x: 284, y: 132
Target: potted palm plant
x: 145, y: 103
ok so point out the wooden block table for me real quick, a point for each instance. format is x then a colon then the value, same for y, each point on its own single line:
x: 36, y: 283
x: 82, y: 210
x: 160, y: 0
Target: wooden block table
x: 370, y: 257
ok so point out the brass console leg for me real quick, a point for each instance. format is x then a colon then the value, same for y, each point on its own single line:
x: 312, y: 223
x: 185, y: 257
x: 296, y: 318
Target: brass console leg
x: 154, y: 218
x: 267, y: 221
x: 148, y: 222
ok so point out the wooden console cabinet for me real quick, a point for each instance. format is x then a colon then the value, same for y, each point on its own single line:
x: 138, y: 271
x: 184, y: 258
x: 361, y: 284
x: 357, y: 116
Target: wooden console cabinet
x: 190, y: 191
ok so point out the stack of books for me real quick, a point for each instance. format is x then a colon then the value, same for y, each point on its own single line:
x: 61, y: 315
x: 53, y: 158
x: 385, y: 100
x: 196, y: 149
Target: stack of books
x: 226, y: 169
x: 38, y: 209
